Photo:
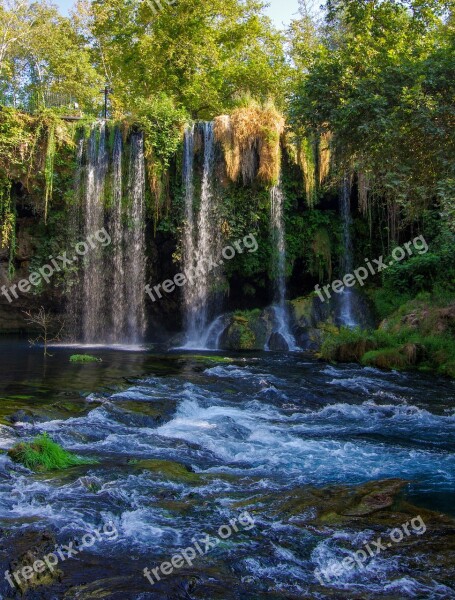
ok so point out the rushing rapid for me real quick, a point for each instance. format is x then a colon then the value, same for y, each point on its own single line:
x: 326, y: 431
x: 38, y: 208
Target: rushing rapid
x: 189, y: 441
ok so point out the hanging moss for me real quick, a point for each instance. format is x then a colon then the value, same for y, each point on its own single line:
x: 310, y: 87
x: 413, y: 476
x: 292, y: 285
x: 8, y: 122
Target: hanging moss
x: 49, y: 169
x: 321, y: 265
x: 324, y: 157
x: 303, y: 151
x: 248, y: 133
x: 307, y: 160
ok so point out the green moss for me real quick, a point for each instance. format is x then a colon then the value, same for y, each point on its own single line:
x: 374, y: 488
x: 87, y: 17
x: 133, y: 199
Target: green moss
x: 419, y: 334
x: 84, y: 358
x: 169, y: 469
x: 240, y: 336
x: 43, y: 454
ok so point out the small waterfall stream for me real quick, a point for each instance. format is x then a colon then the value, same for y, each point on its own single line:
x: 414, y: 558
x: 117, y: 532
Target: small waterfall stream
x: 282, y: 331
x: 111, y: 308
x: 346, y: 312
x: 201, y: 239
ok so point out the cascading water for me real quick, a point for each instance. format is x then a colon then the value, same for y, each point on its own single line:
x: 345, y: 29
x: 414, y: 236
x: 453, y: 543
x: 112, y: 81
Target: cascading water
x: 112, y: 281
x: 93, y: 317
x: 346, y: 313
x: 201, y: 240
x: 189, y: 233
x: 118, y: 300
x: 282, y: 328
x: 134, y: 268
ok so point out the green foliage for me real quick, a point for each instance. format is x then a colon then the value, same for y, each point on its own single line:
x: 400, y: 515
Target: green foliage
x: 433, y: 272
x: 387, y: 300
x: 382, y: 81
x: 428, y: 345
x: 334, y: 338
x: 50, y: 240
x: 49, y: 169
x: 43, y: 454
x: 7, y: 223
x: 84, y: 358
x: 314, y: 236
x: 202, y: 53
x: 44, y: 53
x: 386, y: 358
x: 162, y: 123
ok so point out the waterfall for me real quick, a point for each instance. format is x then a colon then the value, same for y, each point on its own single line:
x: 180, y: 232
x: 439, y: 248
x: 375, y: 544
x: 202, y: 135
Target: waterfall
x: 94, y: 312
x: 188, y: 253
x: 134, y: 268
x: 201, y: 240
x: 118, y: 300
x: 282, y: 335
x: 346, y: 313
x: 111, y: 308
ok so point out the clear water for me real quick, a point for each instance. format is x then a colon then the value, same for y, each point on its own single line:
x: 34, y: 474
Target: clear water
x: 250, y: 427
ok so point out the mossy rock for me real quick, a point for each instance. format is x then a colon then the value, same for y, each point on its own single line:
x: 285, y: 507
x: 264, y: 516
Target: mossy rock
x: 239, y: 336
x: 169, y: 469
x: 247, y: 330
x: 330, y: 505
x: 379, y: 495
x: 240, y: 319
x: 303, y: 310
x: 31, y: 547
x: 84, y: 358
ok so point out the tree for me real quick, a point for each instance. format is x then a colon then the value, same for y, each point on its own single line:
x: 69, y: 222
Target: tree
x: 41, y: 51
x: 48, y: 325
x: 382, y: 82
x: 202, y: 53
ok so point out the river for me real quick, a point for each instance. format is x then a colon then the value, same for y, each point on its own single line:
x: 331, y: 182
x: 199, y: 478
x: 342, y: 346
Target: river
x: 187, y: 442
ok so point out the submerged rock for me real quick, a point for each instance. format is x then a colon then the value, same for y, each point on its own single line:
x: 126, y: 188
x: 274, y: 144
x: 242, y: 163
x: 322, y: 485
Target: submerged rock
x: 27, y: 547
x: 169, y: 469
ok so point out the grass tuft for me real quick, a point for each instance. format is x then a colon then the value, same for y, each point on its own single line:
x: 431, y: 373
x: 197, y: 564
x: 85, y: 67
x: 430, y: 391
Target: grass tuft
x: 43, y: 454
x: 84, y: 358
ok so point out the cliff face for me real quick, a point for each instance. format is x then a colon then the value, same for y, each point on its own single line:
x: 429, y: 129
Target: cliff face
x: 11, y: 313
